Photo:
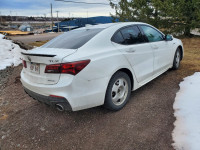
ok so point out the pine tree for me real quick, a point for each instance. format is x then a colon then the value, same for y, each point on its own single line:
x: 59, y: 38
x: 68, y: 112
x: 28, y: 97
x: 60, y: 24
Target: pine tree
x: 189, y: 15
x: 174, y: 16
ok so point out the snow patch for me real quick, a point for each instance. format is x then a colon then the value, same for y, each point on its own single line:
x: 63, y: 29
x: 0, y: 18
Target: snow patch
x: 186, y: 134
x: 10, y: 53
x: 1, y: 36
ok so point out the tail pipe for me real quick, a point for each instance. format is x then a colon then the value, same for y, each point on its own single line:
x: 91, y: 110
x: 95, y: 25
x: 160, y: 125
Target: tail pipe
x: 59, y: 107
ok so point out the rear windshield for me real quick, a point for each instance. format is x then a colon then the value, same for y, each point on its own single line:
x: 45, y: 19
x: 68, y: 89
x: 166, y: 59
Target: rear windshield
x: 72, y: 39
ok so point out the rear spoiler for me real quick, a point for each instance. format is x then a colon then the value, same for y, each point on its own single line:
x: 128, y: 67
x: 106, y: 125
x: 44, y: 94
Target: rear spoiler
x: 40, y: 55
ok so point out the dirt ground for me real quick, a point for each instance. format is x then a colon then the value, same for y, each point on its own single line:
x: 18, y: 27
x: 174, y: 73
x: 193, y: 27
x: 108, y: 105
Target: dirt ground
x: 145, y: 123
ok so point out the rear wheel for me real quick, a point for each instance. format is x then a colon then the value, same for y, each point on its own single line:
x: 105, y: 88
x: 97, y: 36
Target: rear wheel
x: 177, y: 59
x: 118, y: 91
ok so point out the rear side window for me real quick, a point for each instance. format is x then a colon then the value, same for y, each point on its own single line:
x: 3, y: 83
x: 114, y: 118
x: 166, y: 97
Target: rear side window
x: 118, y: 38
x: 152, y: 34
x: 73, y: 39
x: 132, y: 35
x: 129, y: 35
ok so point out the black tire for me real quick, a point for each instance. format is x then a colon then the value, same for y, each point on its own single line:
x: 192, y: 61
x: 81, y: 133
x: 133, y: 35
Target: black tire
x: 177, y: 59
x: 124, y: 82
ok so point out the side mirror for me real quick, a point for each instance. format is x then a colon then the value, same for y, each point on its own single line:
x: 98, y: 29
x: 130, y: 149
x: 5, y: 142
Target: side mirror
x: 168, y: 37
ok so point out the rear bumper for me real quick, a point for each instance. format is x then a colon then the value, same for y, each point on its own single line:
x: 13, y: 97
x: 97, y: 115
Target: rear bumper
x: 80, y: 93
x: 52, y: 101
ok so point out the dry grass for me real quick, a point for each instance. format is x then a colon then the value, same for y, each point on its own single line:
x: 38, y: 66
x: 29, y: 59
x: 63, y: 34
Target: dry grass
x: 14, y: 32
x: 191, y: 61
x: 192, y: 53
x: 38, y: 43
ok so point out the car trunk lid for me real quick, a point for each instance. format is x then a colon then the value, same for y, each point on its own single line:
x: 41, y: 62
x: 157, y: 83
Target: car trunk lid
x: 37, y: 60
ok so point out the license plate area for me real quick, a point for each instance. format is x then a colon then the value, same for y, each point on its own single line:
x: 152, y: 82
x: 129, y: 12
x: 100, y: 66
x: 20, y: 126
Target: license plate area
x: 34, y: 68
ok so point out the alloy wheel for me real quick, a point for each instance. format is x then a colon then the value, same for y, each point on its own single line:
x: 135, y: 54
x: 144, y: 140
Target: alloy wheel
x: 177, y: 59
x: 119, y: 91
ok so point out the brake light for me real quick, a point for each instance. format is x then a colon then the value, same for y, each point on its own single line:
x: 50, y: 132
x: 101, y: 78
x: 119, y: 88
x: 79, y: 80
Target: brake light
x: 53, y: 68
x: 24, y: 63
x: 56, y: 96
x: 68, y: 68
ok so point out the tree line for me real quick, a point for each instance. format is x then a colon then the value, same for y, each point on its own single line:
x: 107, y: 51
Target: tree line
x: 171, y: 16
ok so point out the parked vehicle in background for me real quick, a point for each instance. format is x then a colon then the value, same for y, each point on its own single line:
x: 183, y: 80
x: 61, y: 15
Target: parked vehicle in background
x: 98, y: 65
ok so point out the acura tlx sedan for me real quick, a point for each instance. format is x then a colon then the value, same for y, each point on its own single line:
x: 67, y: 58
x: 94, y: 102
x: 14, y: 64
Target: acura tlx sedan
x: 98, y: 65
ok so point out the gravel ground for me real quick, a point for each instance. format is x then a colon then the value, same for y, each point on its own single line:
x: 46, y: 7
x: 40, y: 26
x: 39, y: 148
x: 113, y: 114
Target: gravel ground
x: 4, y: 74
x: 145, y: 123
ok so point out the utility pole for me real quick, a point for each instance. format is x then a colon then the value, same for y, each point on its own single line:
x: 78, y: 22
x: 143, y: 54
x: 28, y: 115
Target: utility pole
x: 16, y: 16
x: 51, y: 18
x: 57, y: 15
x: 1, y: 18
x: 87, y: 16
x: 11, y: 17
x: 45, y: 21
x: 57, y: 21
x: 69, y: 21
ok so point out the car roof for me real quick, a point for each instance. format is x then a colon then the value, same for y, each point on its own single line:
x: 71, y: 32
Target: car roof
x: 107, y: 25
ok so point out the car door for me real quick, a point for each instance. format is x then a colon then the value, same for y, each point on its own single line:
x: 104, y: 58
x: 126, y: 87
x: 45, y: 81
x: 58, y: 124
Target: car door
x: 161, y: 48
x: 131, y: 43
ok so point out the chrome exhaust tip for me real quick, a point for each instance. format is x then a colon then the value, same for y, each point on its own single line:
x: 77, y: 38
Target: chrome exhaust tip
x: 59, y: 107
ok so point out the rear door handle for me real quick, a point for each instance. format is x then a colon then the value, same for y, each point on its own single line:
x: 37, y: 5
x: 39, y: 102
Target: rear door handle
x: 130, y: 51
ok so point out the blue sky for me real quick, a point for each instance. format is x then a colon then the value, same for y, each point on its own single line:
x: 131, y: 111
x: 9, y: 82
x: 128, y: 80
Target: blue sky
x: 41, y: 7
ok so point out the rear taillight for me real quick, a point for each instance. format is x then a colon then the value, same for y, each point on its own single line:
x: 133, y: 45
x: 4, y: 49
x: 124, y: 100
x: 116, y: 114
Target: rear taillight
x: 24, y: 63
x: 53, y: 68
x: 68, y: 68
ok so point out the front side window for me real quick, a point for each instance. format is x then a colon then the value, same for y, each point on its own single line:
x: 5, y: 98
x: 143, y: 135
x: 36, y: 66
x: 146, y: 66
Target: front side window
x: 152, y: 34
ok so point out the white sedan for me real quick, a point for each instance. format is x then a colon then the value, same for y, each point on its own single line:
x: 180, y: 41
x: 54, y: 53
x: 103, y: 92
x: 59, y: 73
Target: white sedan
x: 98, y: 65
